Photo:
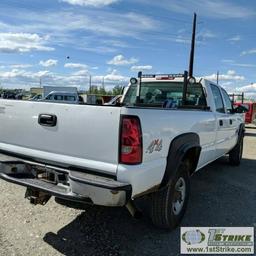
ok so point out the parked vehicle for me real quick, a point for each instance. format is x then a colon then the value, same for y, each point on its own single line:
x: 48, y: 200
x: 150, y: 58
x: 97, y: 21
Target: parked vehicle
x: 111, y: 155
x: 62, y: 97
x: 36, y: 97
x: 114, y: 101
x: 9, y: 95
x: 250, y: 116
x: 48, y: 89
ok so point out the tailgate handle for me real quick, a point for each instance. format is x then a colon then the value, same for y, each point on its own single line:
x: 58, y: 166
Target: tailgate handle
x: 47, y: 120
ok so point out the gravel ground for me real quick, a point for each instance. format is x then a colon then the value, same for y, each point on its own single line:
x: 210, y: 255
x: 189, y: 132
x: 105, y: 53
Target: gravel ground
x: 221, y: 196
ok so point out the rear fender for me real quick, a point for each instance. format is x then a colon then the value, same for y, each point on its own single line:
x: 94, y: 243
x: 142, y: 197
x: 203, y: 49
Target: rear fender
x: 183, y: 145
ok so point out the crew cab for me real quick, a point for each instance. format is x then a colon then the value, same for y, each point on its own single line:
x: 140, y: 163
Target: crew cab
x: 149, y: 145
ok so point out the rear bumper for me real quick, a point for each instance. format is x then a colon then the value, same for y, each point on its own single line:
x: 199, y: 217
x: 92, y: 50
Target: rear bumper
x: 64, y: 183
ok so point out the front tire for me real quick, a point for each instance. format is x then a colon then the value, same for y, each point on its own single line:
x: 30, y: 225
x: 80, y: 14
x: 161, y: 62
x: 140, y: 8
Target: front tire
x: 169, y: 204
x: 235, y: 155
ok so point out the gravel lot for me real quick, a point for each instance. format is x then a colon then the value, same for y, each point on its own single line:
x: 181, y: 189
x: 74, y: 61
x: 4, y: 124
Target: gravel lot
x: 221, y: 196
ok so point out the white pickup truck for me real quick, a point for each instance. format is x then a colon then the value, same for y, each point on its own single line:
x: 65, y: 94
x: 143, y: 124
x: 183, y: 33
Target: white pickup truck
x: 111, y: 155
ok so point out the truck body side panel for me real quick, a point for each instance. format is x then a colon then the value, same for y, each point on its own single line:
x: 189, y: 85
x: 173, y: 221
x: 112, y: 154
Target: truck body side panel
x: 159, y: 128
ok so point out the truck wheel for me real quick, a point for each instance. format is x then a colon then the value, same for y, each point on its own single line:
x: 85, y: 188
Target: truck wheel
x: 168, y: 205
x: 235, y: 155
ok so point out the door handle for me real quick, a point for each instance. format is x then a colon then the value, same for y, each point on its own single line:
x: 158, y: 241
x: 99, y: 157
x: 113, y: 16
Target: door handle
x: 221, y: 122
x: 230, y: 121
x: 47, y: 120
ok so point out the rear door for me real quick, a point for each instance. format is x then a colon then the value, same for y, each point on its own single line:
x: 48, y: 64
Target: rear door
x: 84, y: 136
x: 232, y: 122
x: 222, y: 122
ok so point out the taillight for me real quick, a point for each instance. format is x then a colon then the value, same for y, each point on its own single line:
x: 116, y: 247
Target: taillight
x: 130, y: 140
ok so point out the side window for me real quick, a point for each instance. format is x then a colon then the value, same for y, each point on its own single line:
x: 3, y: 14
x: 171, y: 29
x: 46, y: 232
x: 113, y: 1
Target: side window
x: 69, y: 98
x: 58, y: 97
x: 49, y: 97
x: 217, y: 99
x: 227, y: 101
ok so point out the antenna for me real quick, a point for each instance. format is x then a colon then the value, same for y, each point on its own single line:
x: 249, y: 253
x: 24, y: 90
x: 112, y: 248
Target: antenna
x: 192, y: 50
x: 189, y: 74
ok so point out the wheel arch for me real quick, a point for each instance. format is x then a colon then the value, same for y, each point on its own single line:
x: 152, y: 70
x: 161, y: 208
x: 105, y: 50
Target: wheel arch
x: 183, y: 146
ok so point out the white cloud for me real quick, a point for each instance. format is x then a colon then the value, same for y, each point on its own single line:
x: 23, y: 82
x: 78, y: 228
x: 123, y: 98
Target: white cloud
x: 48, y: 63
x: 21, y: 66
x: 181, y: 39
x: 15, y: 66
x: 22, y: 42
x: 251, y: 88
x: 235, y: 38
x: 249, y: 52
x: 76, y: 65
x: 227, y: 61
x: 20, y: 73
x: 230, y: 75
x: 205, y: 35
x: 18, y: 78
x: 81, y: 73
x: 101, y: 35
x: 222, y: 9
x: 119, y: 60
x: 244, y: 65
x: 141, y: 68
x: 95, y: 3
x: 115, y: 76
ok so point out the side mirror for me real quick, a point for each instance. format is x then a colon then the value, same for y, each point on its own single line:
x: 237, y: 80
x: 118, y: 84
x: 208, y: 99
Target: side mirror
x: 241, y: 109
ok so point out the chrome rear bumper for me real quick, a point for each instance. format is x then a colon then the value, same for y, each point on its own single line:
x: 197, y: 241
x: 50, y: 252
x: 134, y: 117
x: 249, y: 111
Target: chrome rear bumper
x: 64, y: 183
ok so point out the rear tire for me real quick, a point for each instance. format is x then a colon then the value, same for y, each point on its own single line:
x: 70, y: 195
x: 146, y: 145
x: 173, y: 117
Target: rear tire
x: 169, y: 204
x: 235, y: 155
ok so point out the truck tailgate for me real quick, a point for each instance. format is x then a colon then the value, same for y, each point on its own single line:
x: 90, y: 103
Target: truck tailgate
x: 85, y: 136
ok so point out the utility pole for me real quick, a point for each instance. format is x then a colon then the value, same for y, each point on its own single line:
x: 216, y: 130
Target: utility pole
x: 218, y: 74
x: 90, y: 84
x: 40, y: 82
x: 103, y: 82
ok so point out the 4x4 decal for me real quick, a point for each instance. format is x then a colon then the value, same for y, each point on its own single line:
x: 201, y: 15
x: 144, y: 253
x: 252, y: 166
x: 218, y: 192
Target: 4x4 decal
x: 155, y: 145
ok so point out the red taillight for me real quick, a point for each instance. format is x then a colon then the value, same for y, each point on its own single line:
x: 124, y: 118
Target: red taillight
x: 130, y: 141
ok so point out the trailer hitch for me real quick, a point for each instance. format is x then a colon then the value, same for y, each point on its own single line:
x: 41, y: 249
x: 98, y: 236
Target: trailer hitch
x: 37, y: 197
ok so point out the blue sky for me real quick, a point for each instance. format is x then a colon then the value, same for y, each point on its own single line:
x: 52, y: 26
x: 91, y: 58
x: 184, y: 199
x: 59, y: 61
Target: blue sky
x: 62, y: 42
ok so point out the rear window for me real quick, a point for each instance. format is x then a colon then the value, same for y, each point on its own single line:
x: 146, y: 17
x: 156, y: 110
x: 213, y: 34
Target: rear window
x: 160, y: 94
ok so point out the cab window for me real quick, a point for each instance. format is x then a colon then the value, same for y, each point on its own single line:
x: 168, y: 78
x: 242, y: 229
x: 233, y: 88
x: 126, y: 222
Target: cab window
x: 227, y: 101
x: 217, y: 99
